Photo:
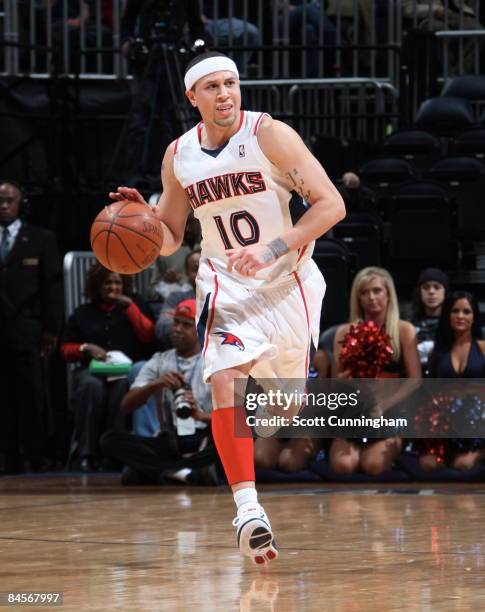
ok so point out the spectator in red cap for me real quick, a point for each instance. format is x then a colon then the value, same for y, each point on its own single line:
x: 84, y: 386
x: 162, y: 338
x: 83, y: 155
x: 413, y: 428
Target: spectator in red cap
x: 173, y: 379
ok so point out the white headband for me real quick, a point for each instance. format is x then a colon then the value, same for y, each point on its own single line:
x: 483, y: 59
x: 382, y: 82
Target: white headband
x: 207, y: 66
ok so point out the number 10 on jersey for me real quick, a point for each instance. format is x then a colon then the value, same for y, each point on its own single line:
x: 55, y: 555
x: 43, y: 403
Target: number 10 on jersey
x: 235, y: 221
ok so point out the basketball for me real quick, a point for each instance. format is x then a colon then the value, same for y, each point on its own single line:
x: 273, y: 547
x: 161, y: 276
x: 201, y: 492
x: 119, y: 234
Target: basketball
x: 126, y: 237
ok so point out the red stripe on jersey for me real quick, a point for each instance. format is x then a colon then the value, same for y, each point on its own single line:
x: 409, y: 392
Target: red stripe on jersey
x: 213, y: 306
x: 176, y: 146
x: 241, y: 119
x: 211, y: 266
x: 302, y: 252
x: 256, y: 127
x: 307, y: 320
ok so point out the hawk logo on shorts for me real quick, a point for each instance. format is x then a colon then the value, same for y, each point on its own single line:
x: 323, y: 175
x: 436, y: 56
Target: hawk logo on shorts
x: 231, y: 339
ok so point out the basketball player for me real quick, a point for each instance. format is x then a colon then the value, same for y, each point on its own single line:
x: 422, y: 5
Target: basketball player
x: 259, y: 293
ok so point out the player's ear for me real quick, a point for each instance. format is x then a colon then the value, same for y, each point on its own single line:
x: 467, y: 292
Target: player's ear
x: 191, y: 97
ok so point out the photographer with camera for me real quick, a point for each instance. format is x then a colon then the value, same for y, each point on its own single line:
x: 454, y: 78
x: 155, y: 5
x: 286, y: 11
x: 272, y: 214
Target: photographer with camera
x: 152, y: 34
x: 183, y: 449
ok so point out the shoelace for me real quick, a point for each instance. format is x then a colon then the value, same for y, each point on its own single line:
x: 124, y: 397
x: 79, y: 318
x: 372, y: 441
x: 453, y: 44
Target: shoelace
x: 240, y: 517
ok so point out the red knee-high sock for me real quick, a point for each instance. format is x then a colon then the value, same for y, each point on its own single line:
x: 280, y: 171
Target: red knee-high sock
x: 234, y: 443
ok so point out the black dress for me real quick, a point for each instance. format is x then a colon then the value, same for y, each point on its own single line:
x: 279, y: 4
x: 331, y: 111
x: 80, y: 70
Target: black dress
x: 441, y: 367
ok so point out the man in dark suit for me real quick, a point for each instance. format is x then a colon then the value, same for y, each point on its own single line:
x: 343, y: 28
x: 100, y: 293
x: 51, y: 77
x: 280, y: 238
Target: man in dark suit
x: 30, y: 319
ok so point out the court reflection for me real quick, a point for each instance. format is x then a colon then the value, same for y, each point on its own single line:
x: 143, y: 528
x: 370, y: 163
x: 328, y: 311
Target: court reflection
x: 261, y: 595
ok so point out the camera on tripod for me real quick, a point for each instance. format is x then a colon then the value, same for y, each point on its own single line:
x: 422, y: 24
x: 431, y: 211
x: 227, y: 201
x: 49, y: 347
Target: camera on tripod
x: 139, y: 51
x: 161, y: 22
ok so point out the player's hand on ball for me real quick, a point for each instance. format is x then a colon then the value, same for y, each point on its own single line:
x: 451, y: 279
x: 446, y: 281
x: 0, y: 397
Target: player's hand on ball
x: 249, y: 260
x: 127, y: 193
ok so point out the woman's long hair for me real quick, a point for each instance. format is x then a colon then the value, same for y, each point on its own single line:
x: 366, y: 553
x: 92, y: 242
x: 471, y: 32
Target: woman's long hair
x: 391, y: 324
x: 445, y: 336
x: 95, y: 277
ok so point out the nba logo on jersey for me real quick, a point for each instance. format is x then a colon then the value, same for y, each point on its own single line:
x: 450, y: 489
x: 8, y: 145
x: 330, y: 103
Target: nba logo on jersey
x: 242, y: 152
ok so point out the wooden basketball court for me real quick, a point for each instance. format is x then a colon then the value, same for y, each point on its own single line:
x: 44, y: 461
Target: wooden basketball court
x: 343, y: 547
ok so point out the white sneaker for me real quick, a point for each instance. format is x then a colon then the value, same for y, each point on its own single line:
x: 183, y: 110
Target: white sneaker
x: 254, y: 535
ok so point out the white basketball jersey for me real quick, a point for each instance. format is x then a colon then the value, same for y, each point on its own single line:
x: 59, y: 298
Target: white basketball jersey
x: 239, y: 197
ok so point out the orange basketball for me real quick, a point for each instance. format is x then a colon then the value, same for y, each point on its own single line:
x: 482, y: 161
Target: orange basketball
x: 126, y: 237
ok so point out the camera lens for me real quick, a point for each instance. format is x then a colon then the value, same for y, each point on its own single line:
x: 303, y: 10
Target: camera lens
x: 182, y: 406
x: 183, y: 413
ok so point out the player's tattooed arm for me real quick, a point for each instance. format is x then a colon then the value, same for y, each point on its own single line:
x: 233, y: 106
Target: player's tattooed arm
x: 277, y: 248
x: 298, y: 184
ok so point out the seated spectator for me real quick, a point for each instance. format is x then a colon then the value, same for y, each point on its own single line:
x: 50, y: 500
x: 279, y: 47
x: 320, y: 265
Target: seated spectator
x: 111, y: 320
x: 231, y: 30
x: 429, y: 296
x: 459, y: 352
x: 171, y: 270
x: 30, y: 322
x: 164, y: 321
x: 169, y: 377
x: 373, y: 298
x: 144, y: 420
x: 452, y: 15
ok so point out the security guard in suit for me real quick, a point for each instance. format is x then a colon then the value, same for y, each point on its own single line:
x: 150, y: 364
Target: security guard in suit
x: 31, y: 304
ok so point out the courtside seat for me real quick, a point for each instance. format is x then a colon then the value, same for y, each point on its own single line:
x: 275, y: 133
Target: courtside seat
x: 413, y: 145
x: 471, y: 143
x: 383, y: 172
x: 420, y: 225
x: 455, y: 170
x: 445, y: 116
x: 336, y: 263
x: 470, y: 209
x: 464, y: 178
x: 471, y: 87
x: 363, y: 240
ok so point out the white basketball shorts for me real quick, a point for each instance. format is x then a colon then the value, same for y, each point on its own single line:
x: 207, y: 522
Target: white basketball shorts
x: 274, y: 327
